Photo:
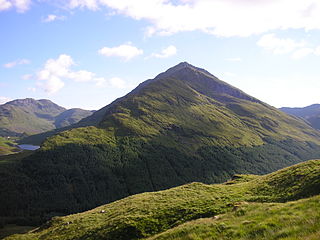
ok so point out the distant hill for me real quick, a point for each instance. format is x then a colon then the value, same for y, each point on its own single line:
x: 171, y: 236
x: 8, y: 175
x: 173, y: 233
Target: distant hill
x: 29, y: 116
x: 185, y: 125
x: 310, y: 113
x: 247, y: 207
x: 70, y: 117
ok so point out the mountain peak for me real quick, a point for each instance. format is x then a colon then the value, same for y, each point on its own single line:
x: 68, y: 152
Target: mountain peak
x: 183, y: 66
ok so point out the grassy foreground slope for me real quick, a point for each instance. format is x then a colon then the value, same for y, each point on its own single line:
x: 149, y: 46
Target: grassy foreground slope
x: 270, y: 221
x: 253, y: 207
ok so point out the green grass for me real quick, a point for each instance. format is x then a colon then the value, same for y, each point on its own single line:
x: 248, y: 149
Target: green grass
x: 28, y: 116
x: 145, y: 215
x: 7, y: 146
x: 270, y: 221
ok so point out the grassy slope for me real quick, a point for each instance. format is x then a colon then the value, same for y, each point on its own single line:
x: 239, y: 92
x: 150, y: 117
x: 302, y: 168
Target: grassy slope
x: 36, y: 116
x: 71, y: 116
x: 270, y: 221
x: 147, y: 214
x: 171, y: 113
x: 29, y: 115
x: 7, y: 146
x: 23, y: 122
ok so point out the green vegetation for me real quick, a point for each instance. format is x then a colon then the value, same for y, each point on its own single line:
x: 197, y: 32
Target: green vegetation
x: 28, y: 116
x: 70, y: 117
x: 7, y: 146
x: 248, y: 206
x: 183, y: 126
x: 293, y: 220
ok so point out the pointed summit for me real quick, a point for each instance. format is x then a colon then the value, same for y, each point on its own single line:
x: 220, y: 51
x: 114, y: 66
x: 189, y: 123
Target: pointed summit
x: 183, y: 66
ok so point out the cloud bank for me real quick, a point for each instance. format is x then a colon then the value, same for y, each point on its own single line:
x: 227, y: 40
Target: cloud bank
x: 224, y: 18
x: 20, y: 5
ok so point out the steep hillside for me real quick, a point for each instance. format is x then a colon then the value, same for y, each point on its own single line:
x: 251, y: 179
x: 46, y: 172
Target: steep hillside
x: 70, y: 117
x: 310, y: 113
x: 245, y: 208
x: 29, y: 116
x: 185, y: 125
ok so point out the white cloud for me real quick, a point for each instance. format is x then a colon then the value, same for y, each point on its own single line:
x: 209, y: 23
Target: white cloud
x: 51, y: 77
x: 125, y: 51
x: 225, y: 18
x: 219, y: 17
x: 317, y: 51
x: 20, y: 5
x: 165, y: 53
x: 297, y: 50
x: 5, y: 5
x: 117, y: 82
x: 3, y: 100
x: 235, y: 59
x: 279, y: 45
x: 53, y: 17
x: 16, y: 62
x: 90, y: 4
x: 26, y: 76
x: 31, y: 89
x: 302, y: 52
x: 52, y: 84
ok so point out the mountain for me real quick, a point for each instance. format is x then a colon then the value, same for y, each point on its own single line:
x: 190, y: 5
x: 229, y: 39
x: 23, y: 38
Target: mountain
x: 29, y: 116
x: 70, y: 117
x: 185, y: 125
x: 310, y: 113
x: 247, y: 207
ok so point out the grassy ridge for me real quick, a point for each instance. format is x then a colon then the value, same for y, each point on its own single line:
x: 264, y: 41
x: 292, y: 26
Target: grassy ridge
x: 147, y: 214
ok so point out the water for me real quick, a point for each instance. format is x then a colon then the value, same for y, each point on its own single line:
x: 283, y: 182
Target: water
x: 28, y: 147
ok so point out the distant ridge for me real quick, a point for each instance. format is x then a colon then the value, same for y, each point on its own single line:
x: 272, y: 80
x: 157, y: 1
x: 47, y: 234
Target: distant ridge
x: 30, y: 116
x: 310, y: 113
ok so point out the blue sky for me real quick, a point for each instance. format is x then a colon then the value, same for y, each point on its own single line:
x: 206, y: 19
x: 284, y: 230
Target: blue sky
x: 87, y: 53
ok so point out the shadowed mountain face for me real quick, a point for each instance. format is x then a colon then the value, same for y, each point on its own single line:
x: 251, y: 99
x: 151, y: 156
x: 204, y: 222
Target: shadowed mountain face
x: 185, y: 125
x: 310, y: 113
x: 31, y: 116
